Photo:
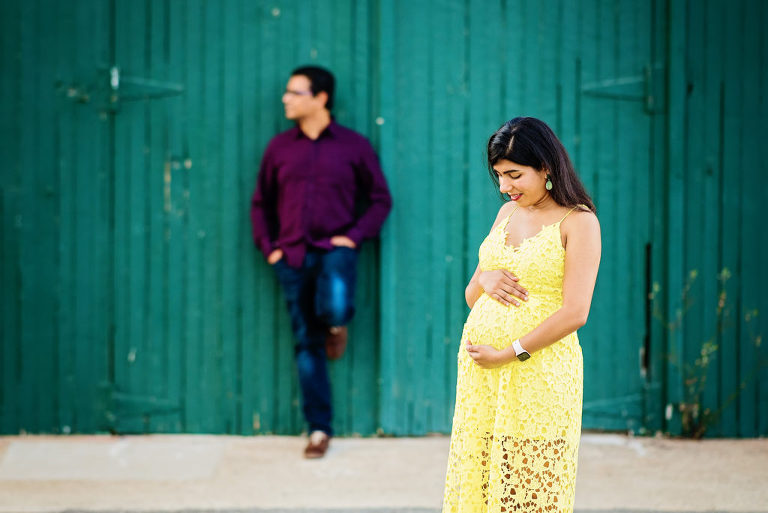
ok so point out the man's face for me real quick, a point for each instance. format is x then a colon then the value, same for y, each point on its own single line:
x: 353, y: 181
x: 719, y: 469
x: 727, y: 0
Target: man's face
x: 298, y: 100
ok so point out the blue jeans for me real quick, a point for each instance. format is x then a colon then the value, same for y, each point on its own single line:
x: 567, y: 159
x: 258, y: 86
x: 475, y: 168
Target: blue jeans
x: 319, y: 294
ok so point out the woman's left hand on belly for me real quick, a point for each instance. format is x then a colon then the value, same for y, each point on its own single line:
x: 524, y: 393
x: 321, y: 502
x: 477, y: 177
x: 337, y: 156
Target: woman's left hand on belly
x: 485, y: 356
x: 502, y: 285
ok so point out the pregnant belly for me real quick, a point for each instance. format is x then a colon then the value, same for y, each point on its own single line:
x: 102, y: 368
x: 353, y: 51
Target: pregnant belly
x: 498, y: 325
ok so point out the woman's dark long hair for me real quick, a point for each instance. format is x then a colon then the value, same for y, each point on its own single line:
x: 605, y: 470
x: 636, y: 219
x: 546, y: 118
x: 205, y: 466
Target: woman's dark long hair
x: 530, y: 142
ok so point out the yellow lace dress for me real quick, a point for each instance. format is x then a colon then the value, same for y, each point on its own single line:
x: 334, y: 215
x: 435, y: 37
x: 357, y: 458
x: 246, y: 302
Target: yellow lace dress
x: 516, y: 428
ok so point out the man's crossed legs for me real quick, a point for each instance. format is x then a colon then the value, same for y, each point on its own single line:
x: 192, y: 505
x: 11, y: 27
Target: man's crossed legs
x: 320, y: 300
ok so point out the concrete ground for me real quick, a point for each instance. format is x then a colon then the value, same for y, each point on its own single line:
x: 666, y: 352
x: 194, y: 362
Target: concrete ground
x: 372, y: 475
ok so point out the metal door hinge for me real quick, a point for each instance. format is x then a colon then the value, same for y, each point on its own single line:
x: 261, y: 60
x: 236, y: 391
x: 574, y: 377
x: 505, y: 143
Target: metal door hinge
x: 646, y: 88
x: 128, y: 88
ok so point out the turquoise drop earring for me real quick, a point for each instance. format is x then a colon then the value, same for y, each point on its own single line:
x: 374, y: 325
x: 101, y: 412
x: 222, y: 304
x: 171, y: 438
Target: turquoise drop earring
x: 548, y: 185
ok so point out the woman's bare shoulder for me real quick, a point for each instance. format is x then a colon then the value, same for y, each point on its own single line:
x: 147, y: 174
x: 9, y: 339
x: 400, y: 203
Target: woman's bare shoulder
x: 581, y: 221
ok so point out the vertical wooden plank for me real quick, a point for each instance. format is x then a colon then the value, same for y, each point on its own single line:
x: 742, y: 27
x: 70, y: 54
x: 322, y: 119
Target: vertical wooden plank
x: 121, y: 209
x: 133, y: 347
x: 10, y: 192
x: 688, y: 306
x: 124, y: 353
x: 752, y: 172
x: 249, y: 262
x: 606, y: 189
x: 606, y: 193
x: 156, y: 372
x: 654, y: 409
x: 68, y: 131
x: 699, y: 257
x: 412, y: 68
x: 676, y: 160
x: 733, y: 56
x: 165, y: 367
x: 24, y: 221
x: 632, y: 192
x: 89, y: 213
x: 233, y: 225
x: 162, y: 68
x: 177, y: 173
x: 210, y: 216
x: 37, y: 263
x: 588, y: 123
x: 761, y: 323
x: 390, y: 416
x: 591, y: 122
x: 195, y: 40
x: 641, y: 201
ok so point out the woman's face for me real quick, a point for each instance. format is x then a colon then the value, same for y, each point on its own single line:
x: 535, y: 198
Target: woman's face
x: 523, y: 184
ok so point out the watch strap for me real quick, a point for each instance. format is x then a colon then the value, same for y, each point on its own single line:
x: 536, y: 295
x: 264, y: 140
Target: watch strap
x: 520, y: 352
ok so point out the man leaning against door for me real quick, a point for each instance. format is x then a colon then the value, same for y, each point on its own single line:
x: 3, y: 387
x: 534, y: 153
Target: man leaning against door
x: 307, y: 221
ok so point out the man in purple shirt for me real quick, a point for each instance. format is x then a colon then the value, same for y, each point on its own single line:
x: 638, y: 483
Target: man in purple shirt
x: 320, y: 193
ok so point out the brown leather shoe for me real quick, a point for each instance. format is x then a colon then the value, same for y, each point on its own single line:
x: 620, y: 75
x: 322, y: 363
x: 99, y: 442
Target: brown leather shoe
x: 317, y: 446
x: 336, y: 342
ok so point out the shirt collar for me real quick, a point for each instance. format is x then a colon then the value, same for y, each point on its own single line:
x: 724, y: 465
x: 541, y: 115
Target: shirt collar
x: 332, y: 130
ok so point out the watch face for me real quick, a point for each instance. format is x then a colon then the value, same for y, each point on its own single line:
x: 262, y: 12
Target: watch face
x: 523, y: 356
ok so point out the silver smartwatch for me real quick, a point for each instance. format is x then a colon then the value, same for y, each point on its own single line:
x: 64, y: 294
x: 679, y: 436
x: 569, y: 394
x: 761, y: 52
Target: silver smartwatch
x: 521, y: 353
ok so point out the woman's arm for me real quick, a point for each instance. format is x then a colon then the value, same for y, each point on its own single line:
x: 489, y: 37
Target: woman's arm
x: 582, y: 259
x: 499, y: 284
x: 473, y: 291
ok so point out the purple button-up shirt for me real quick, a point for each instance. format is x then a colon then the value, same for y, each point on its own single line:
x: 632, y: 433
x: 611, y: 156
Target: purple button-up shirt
x: 310, y: 190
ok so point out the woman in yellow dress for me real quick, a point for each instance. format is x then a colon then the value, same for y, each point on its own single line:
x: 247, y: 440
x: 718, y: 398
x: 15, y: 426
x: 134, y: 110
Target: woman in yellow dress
x: 517, y: 421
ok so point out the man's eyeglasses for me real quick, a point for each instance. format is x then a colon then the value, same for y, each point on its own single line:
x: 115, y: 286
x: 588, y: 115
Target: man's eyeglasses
x: 298, y: 93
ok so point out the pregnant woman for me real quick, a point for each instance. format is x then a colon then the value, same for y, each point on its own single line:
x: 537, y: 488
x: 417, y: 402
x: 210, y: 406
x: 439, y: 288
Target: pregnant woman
x: 517, y: 421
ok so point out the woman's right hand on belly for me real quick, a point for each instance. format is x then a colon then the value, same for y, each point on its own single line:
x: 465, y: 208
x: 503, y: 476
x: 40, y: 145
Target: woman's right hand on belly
x: 502, y: 286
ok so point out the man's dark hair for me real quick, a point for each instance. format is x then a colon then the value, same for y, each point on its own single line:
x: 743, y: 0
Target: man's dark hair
x: 320, y: 79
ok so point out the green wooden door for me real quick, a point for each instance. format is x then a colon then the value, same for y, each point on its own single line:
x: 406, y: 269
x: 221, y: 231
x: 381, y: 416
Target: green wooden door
x: 151, y: 211
x: 202, y: 342
x: 54, y: 216
x: 619, y: 83
x: 588, y: 71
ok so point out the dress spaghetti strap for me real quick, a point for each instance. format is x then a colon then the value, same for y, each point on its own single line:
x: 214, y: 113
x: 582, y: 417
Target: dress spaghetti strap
x: 569, y: 213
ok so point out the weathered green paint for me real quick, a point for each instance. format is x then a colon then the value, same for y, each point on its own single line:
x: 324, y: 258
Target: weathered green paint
x: 720, y: 192
x: 133, y: 299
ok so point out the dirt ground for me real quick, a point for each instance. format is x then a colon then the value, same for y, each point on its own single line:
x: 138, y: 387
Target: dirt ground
x: 171, y: 473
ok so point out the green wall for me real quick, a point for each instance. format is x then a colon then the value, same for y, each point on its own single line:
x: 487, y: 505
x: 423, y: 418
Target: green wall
x: 133, y: 299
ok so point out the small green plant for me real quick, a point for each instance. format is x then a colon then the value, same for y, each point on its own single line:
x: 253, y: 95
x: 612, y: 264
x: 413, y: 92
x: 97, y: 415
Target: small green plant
x: 695, y: 418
